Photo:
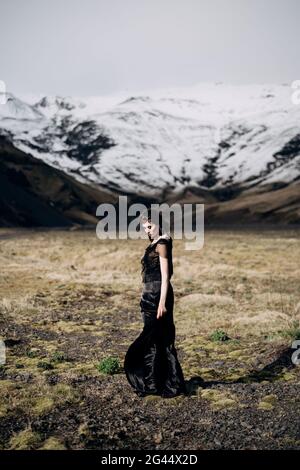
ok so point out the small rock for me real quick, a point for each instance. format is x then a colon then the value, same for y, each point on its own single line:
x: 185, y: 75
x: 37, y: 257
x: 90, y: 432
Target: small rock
x: 158, y: 437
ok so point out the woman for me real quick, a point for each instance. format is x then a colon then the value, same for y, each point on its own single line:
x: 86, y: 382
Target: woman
x: 151, y: 364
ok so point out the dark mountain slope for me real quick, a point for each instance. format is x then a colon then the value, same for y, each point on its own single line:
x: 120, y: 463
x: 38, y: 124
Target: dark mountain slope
x: 33, y: 193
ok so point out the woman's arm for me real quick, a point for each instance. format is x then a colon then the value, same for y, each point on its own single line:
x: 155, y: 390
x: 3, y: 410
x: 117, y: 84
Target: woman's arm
x: 164, y: 268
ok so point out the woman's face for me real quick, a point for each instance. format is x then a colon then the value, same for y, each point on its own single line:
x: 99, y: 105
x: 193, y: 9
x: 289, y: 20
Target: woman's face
x: 151, y: 229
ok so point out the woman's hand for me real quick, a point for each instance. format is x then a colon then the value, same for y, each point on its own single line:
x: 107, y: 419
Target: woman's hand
x: 161, y: 310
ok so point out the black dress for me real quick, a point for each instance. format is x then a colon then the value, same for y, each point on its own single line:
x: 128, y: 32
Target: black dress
x: 151, y: 364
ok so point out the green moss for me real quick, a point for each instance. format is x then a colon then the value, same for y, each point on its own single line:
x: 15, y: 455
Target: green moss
x: 6, y: 386
x: 52, y: 443
x: 224, y: 403
x: 150, y: 398
x: 235, y: 374
x: 287, y: 376
x: 36, y: 398
x: 267, y: 402
x: 218, y: 399
x: 84, y: 431
x: 25, y: 440
x: 62, y: 393
x: 270, y: 399
x: 3, y: 410
x: 265, y: 406
x: 237, y: 353
x: 206, y: 373
x: 43, y: 405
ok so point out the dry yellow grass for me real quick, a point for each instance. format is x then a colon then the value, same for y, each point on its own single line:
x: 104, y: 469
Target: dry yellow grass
x: 238, y: 280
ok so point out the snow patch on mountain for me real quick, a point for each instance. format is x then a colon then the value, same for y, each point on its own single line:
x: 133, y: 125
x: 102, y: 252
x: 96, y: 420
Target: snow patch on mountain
x: 211, y: 135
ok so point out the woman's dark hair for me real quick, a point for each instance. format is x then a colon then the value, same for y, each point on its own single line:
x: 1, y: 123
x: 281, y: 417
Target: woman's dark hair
x: 152, y: 215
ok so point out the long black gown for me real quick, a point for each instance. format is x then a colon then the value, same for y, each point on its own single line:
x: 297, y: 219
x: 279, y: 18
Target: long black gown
x: 151, y: 363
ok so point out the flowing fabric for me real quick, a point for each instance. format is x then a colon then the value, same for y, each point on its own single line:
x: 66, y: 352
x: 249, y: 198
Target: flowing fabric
x: 151, y: 363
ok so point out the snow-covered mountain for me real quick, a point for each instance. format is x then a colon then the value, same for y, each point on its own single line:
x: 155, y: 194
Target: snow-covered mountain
x: 210, y: 136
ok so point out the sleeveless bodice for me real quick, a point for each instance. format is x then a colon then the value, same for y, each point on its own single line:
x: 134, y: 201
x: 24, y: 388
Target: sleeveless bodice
x: 150, y: 261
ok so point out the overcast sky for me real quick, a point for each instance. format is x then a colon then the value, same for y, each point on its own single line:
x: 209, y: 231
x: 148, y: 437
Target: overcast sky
x: 95, y: 47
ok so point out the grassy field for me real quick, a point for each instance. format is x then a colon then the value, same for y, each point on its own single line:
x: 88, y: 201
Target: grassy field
x: 69, y: 301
